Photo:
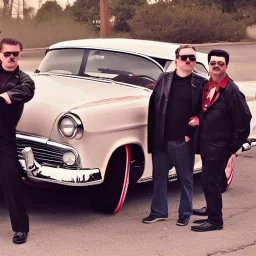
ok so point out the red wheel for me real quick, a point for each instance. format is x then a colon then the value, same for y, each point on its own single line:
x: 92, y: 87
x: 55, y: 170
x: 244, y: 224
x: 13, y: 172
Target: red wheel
x: 110, y: 195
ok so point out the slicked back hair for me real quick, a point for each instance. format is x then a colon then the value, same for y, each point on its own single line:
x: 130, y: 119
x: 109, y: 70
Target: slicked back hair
x: 177, y: 51
x: 10, y: 41
x: 218, y: 53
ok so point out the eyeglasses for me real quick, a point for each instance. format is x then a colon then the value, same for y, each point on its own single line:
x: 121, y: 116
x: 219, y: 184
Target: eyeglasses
x: 8, y: 54
x: 219, y: 63
x: 184, y: 57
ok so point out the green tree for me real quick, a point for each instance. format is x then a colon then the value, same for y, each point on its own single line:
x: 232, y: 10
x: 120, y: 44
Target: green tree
x: 68, y: 12
x: 123, y: 11
x: 87, y: 11
x: 49, y: 11
x: 196, y: 24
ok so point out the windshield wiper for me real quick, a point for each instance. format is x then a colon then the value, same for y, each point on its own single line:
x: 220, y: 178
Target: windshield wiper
x: 98, y: 77
x: 114, y: 71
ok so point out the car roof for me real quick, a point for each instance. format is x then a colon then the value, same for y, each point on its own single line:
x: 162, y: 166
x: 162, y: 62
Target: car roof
x: 146, y: 47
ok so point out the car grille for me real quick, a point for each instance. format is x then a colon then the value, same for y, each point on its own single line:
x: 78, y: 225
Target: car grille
x: 44, y: 154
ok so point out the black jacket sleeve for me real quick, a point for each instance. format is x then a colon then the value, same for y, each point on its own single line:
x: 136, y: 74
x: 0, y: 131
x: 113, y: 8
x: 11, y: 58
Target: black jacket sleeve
x: 241, y: 117
x: 151, y: 117
x: 200, y: 82
x: 151, y: 122
x: 190, y: 131
x: 23, y: 91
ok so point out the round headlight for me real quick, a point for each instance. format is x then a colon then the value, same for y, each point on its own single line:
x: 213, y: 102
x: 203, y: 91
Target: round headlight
x: 69, y: 158
x: 67, y: 126
x: 70, y: 126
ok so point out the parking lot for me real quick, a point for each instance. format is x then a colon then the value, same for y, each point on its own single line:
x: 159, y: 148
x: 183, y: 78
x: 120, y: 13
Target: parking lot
x: 63, y: 223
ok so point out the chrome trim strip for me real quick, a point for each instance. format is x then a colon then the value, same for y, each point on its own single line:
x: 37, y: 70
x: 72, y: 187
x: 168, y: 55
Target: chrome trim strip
x: 81, y: 177
x: 32, y: 138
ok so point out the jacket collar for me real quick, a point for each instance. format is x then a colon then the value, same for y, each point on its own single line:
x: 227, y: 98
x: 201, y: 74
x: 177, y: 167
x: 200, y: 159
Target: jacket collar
x: 196, y: 84
x: 13, y: 79
x: 222, y: 84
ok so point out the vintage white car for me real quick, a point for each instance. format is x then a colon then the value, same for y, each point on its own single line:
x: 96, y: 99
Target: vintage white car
x: 87, y: 123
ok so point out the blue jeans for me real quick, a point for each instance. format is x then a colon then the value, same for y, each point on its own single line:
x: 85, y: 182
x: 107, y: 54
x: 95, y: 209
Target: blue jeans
x: 178, y: 154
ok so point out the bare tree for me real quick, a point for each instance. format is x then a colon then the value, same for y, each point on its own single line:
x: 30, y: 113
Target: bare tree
x: 5, y: 8
x: 28, y: 11
x: 10, y: 9
x: 18, y: 10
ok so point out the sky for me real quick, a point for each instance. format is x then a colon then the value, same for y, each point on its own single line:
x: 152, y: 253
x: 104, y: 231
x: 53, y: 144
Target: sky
x: 35, y: 3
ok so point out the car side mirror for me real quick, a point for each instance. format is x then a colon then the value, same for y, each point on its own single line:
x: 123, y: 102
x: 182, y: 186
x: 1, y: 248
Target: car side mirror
x: 97, y: 56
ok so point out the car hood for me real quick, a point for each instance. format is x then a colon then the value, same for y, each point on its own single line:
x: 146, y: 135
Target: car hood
x: 55, y: 95
x: 248, y: 88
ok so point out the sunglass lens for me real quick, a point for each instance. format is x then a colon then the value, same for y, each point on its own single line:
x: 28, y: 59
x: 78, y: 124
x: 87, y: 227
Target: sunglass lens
x: 192, y: 58
x: 219, y: 63
x: 15, y: 54
x: 7, y: 54
x: 183, y: 57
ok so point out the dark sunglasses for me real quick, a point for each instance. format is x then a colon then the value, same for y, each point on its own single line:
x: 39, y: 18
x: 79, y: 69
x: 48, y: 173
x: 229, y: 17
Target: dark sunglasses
x: 219, y: 63
x: 184, y: 57
x: 8, y: 54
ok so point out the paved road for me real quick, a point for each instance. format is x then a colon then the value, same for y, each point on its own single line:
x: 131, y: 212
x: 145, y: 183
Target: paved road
x: 63, y: 223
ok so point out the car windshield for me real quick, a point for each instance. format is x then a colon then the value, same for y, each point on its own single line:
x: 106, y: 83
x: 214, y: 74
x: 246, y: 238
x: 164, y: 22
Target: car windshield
x: 103, y: 64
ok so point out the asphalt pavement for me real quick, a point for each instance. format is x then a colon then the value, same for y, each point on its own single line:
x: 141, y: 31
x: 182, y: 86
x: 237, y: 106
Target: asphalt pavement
x: 63, y: 222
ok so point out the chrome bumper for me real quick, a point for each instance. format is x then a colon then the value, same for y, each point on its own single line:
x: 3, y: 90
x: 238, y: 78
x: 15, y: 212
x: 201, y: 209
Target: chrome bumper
x: 248, y: 145
x: 37, y: 172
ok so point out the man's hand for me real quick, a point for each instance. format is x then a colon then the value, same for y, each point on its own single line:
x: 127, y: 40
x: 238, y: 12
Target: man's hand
x: 6, y: 98
x: 187, y: 139
x: 194, y: 121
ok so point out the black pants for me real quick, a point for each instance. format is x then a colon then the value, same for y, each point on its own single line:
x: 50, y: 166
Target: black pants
x: 15, y: 193
x: 212, y: 175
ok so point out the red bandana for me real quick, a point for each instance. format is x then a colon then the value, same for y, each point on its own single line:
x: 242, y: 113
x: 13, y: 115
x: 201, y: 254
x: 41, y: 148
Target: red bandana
x: 211, y: 92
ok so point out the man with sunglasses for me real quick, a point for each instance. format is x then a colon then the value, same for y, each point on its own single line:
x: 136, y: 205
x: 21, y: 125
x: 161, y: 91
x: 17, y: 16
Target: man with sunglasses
x: 224, y: 126
x: 16, y: 88
x: 176, y: 99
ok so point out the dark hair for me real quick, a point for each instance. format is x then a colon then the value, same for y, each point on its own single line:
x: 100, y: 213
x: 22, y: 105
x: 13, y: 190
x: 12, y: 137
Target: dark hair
x: 177, y: 51
x: 10, y: 41
x: 219, y: 53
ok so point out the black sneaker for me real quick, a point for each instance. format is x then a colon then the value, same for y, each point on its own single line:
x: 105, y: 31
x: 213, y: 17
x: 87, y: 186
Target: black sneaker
x: 182, y: 222
x: 150, y: 219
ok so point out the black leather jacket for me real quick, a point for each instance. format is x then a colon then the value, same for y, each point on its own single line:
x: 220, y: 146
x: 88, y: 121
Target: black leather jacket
x: 158, y: 106
x: 225, y: 125
x: 20, y: 89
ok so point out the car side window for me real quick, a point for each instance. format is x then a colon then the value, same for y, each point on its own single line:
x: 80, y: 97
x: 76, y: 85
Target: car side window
x: 110, y: 64
x: 200, y: 68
